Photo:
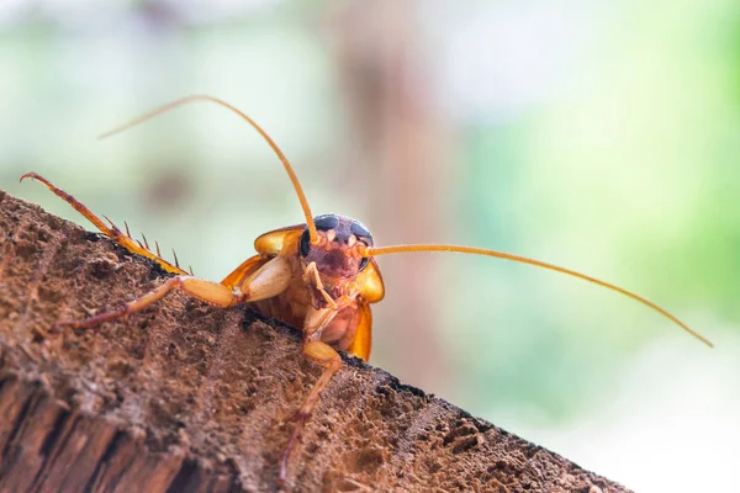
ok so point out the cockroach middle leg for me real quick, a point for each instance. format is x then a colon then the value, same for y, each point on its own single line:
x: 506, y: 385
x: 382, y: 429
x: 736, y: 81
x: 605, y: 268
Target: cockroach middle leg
x: 210, y: 292
x: 267, y: 281
x: 326, y: 356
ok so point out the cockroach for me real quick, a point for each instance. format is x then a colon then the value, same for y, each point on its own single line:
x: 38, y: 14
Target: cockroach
x: 320, y: 275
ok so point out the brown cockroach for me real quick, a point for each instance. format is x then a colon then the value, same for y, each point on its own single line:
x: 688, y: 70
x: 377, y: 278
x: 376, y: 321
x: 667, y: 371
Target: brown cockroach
x: 320, y: 275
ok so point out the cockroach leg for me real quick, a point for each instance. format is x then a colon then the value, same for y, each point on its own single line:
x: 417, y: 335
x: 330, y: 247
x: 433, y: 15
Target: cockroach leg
x: 326, y: 356
x: 269, y: 280
x: 312, y: 276
x: 210, y: 292
x: 112, y: 232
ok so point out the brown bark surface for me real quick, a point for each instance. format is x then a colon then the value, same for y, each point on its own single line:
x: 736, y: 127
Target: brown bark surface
x: 186, y: 397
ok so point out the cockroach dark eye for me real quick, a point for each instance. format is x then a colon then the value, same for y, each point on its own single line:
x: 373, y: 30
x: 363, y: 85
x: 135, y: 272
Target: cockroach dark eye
x: 326, y: 222
x: 361, y: 232
x: 358, y: 229
x: 364, y: 262
x: 305, y: 243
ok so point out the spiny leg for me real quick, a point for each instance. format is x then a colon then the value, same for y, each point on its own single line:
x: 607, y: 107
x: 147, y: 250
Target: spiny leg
x: 326, y: 356
x: 269, y: 280
x: 111, y: 231
x: 210, y: 292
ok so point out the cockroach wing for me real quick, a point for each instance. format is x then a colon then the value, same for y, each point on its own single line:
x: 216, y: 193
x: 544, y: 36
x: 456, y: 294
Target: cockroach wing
x: 245, y: 269
x: 273, y: 242
x: 369, y: 283
x: 267, y: 245
x: 362, y: 342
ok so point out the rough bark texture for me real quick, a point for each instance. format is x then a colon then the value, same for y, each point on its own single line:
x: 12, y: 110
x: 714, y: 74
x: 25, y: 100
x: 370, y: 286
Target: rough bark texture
x: 185, y: 397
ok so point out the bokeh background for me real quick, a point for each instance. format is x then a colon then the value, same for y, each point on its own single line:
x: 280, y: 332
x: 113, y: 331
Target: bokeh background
x: 604, y: 136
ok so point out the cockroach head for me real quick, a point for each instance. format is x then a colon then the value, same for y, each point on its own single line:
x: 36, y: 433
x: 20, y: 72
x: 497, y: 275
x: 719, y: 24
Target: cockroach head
x: 339, y: 250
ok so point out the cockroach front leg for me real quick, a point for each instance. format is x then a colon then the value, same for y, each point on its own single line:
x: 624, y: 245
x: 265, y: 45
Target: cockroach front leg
x: 311, y: 277
x: 268, y: 281
x: 323, y: 354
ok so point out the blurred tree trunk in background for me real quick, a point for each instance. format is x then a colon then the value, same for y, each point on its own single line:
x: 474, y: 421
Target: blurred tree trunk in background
x: 398, y: 157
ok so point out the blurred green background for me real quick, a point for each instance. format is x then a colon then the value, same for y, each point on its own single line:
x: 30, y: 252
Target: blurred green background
x: 604, y: 136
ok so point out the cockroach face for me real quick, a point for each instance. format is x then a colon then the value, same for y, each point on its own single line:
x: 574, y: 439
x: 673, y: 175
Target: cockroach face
x: 339, y: 251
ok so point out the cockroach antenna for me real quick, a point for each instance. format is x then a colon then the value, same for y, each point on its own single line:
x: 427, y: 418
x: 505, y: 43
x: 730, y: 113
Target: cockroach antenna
x: 321, y: 276
x: 276, y: 149
x: 386, y: 250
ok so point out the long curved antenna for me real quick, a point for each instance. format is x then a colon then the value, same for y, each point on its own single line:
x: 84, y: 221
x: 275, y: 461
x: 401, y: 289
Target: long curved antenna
x: 386, y: 250
x: 205, y: 98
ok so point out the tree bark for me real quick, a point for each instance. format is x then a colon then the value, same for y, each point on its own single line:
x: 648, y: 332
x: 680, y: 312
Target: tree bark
x: 186, y: 397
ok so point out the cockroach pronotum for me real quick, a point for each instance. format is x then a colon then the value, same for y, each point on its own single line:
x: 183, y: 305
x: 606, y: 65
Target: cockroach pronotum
x: 320, y: 276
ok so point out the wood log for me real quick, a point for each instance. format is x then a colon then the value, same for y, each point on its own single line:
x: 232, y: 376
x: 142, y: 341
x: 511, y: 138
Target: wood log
x: 187, y: 397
